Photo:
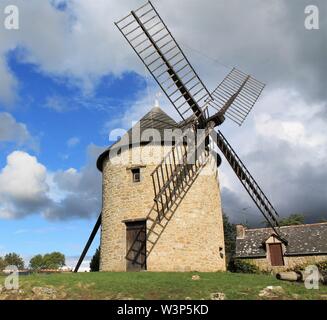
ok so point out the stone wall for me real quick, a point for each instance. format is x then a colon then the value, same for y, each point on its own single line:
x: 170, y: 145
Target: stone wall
x: 290, y: 262
x: 192, y: 239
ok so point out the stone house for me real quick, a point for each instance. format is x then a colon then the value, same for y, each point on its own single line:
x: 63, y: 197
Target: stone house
x: 189, y: 238
x: 307, y: 244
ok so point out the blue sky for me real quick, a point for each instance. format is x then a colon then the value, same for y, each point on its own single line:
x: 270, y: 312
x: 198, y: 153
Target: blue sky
x: 79, y: 116
x: 62, y: 137
x: 67, y: 78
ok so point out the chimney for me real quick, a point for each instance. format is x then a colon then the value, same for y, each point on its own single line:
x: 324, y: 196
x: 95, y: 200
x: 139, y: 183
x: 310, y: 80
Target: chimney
x: 240, y: 231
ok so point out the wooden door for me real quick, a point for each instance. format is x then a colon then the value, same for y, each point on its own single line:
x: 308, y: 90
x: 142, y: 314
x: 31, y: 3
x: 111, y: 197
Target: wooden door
x: 136, y: 246
x: 276, y: 254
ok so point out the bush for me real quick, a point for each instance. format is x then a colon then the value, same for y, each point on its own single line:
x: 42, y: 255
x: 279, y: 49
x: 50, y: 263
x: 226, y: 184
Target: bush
x: 95, y: 262
x: 2, y: 264
x: 13, y: 259
x: 241, y: 266
x: 322, y: 266
x: 53, y: 260
x: 230, y: 238
x: 299, y: 267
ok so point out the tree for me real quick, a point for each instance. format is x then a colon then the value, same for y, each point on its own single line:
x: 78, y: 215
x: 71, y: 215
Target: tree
x: 37, y: 263
x: 293, y: 219
x: 2, y: 264
x: 230, y: 238
x: 95, y: 261
x: 53, y: 260
x: 13, y: 259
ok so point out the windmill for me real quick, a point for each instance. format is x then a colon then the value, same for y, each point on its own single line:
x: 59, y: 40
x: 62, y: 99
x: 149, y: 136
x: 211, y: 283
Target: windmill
x: 198, y: 108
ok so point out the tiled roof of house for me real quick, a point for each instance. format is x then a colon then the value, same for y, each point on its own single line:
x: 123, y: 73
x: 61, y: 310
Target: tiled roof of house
x: 154, y: 119
x: 306, y: 239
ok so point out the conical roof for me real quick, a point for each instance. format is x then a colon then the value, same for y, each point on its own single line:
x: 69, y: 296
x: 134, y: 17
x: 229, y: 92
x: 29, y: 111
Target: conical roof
x: 156, y: 119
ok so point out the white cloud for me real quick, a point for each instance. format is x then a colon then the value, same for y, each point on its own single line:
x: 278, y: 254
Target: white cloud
x: 73, y: 141
x: 82, y: 44
x: 8, y: 83
x: 284, y: 145
x: 23, y: 177
x: 282, y: 135
x: 13, y: 131
x: 283, y: 140
x: 71, y: 262
x: 56, y: 103
x: 27, y: 187
x: 145, y: 101
x: 80, y: 190
x: 23, y: 185
x: 293, y: 132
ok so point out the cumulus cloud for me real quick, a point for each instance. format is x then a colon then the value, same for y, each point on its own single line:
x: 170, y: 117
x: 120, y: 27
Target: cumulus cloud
x: 283, y: 141
x: 8, y: 83
x: 13, y: 131
x: 285, y: 148
x: 81, y: 191
x: 79, y: 41
x: 27, y: 187
x: 23, y: 186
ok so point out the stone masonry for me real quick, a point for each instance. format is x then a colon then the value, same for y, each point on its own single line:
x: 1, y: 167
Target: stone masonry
x: 193, y: 239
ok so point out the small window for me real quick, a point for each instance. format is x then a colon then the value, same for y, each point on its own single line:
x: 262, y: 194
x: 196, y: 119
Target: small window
x: 136, y: 175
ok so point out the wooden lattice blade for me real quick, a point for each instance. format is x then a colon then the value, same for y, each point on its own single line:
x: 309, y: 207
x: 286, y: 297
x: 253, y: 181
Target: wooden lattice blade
x: 156, y: 47
x: 235, y: 96
x: 248, y: 182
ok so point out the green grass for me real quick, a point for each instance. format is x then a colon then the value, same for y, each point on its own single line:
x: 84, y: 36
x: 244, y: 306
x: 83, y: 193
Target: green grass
x: 148, y: 285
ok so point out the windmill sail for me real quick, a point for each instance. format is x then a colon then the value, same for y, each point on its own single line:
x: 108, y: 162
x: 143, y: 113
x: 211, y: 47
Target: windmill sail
x: 154, y: 44
x: 248, y: 182
x: 236, y: 95
x: 173, y: 176
x: 172, y: 179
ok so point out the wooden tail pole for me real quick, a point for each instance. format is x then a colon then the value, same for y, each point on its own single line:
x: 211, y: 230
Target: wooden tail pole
x: 289, y: 276
x: 89, y: 242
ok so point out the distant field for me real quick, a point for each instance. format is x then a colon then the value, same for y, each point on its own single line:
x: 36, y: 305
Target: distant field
x: 148, y: 285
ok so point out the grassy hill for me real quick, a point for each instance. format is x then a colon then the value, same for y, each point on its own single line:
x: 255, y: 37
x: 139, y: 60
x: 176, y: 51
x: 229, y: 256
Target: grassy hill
x: 148, y: 285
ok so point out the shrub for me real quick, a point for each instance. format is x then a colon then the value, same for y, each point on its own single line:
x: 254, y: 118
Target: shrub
x: 299, y: 267
x: 14, y: 259
x: 53, y: 260
x: 95, y: 262
x: 241, y: 266
x: 322, y: 266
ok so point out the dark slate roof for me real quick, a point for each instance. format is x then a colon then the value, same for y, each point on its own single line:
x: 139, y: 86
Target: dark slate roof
x: 307, y: 239
x: 154, y: 119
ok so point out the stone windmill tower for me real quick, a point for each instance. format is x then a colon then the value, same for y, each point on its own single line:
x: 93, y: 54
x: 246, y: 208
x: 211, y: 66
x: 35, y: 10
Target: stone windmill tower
x: 190, y: 234
x: 161, y: 198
